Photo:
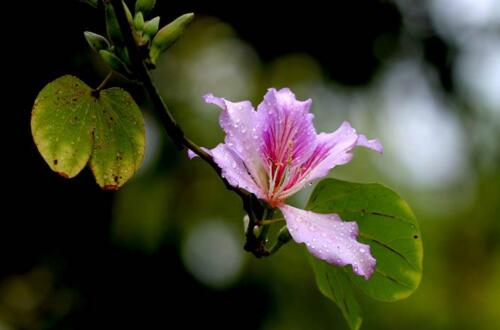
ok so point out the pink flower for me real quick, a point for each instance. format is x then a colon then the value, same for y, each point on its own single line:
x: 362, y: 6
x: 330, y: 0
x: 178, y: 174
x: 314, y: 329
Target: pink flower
x: 274, y: 152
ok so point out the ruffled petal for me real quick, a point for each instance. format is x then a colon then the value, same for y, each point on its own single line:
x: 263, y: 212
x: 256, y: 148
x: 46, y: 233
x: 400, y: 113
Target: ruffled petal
x: 329, y: 238
x: 288, y: 132
x: 370, y: 144
x: 234, y: 170
x: 332, y: 149
x: 239, y: 122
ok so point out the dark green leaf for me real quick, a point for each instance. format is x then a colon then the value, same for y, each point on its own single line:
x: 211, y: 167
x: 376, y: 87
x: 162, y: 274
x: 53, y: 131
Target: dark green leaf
x: 334, y: 283
x: 387, y: 224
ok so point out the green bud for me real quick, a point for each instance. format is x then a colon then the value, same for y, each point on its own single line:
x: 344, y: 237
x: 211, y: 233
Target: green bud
x: 284, y: 235
x: 130, y: 19
x: 151, y: 26
x: 112, y: 26
x: 139, y: 21
x: 283, y: 238
x: 144, y: 6
x: 168, y: 35
x: 96, y: 41
x: 114, y: 62
x: 93, y: 3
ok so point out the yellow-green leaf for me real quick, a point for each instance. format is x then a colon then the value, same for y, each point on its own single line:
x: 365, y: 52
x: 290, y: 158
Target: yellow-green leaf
x: 119, y: 139
x: 72, y: 124
x: 62, y: 122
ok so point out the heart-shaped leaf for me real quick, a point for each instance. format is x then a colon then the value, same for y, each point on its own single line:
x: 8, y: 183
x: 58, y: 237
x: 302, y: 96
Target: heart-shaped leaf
x: 72, y: 124
x: 388, y: 225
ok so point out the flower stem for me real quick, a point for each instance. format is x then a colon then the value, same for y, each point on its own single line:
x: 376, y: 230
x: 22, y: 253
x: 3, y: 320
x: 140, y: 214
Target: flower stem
x: 268, y: 213
x: 104, y: 82
x: 268, y: 222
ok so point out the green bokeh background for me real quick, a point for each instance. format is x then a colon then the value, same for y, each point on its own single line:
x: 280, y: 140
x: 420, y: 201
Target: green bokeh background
x: 436, y: 113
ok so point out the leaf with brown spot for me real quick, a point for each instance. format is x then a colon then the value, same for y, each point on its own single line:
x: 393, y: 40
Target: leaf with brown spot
x: 119, y: 139
x: 65, y: 144
x: 71, y: 124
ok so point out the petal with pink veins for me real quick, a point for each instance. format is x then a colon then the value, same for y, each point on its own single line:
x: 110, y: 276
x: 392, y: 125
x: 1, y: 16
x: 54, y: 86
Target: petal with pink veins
x: 332, y: 149
x: 329, y: 238
x: 243, y: 132
x: 288, y: 132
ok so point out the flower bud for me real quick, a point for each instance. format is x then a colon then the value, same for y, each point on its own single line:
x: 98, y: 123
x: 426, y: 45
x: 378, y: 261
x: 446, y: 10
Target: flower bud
x: 284, y: 235
x: 139, y: 21
x: 151, y: 26
x: 93, y: 3
x: 112, y: 26
x: 144, y: 6
x: 130, y: 19
x: 96, y: 41
x: 114, y: 62
x: 168, y: 35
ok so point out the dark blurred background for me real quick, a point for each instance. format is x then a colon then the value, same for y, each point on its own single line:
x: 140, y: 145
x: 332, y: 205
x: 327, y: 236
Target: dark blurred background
x: 166, y: 250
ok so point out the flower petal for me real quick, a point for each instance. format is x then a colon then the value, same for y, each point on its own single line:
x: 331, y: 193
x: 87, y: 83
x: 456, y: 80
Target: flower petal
x: 288, y: 131
x: 234, y: 169
x: 332, y: 149
x: 239, y: 122
x: 370, y: 144
x: 329, y: 238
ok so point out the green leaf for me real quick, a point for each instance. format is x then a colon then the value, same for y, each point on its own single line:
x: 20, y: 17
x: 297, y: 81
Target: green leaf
x: 334, y: 283
x: 118, y: 139
x: 62, y: 122
x: 72, y: 124
x: 387, y: 224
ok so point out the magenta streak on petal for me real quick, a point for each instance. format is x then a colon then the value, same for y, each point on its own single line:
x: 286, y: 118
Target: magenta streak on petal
x: 329, y: 238
x: 288, y: 138
x: 332, y: 149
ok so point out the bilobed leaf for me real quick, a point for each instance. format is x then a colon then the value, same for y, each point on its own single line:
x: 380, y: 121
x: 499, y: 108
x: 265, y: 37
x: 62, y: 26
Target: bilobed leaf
x: 387, y: 224
x: 71, y: 124
x: 334, y: 283
x: 119, y: 139
x: 62, y: 122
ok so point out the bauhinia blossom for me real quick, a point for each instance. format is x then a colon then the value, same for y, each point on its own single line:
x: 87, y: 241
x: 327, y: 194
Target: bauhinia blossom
x: 274, y: 151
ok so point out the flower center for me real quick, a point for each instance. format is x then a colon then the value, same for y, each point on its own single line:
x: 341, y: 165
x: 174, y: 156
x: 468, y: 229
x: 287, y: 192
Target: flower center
x: 282, y: 173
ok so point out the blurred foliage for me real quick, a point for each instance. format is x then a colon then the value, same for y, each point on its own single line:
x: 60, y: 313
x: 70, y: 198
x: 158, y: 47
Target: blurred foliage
x: 442, y: 154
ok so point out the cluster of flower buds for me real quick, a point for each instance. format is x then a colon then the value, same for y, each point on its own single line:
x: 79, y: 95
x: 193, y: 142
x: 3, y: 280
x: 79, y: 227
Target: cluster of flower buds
x: 147, y: 35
